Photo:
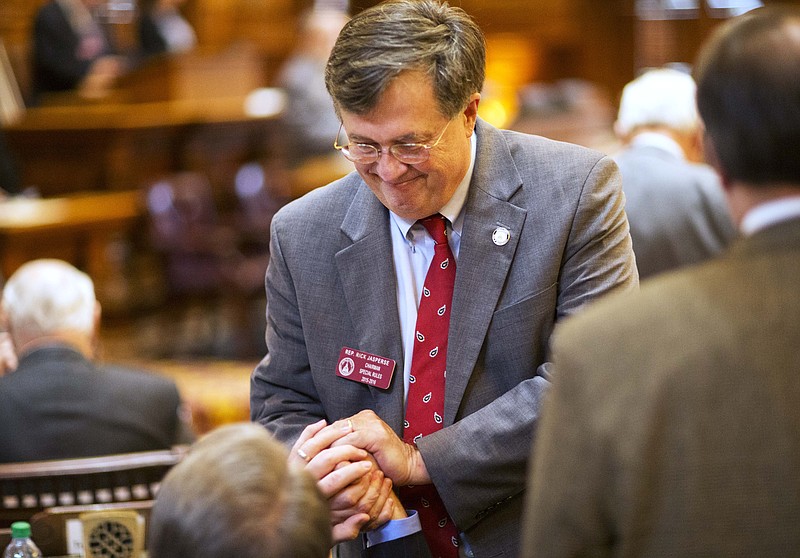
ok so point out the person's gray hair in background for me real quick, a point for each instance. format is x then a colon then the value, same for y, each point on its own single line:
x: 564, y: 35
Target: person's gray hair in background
x: 660, y: 97
x: 440, y: 40
x: 49, y: 296
x: 674, y: 202
x: 235, y: 494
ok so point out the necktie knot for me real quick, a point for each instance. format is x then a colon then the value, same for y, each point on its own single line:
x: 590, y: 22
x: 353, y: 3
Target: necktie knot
x: 436, y: 227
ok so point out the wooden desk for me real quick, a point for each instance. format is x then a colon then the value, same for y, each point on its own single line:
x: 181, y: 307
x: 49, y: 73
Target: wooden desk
x: 80, y: 229
x: 174, y: 113
x: 120, y: 146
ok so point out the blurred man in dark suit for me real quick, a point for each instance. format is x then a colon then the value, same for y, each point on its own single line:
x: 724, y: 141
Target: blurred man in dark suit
x: 72, y: 51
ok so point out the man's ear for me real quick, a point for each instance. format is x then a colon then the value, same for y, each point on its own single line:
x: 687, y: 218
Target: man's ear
x: 471, y: 112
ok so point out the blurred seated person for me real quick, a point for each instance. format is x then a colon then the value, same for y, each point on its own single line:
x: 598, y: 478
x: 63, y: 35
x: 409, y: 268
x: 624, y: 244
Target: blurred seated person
x: 162, y: 29
x: 675, y: 204
x: 238, y: 493
x: 235, y: 494
x: 60, y: 403
x: 309, y: 119
x: 72, y: 51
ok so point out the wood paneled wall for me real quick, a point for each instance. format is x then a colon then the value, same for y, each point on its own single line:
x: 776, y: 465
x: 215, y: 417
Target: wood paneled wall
x: 598, y: 41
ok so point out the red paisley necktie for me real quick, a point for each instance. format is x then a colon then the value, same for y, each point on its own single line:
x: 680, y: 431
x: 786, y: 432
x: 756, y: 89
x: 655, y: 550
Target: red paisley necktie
x: 425, y: 403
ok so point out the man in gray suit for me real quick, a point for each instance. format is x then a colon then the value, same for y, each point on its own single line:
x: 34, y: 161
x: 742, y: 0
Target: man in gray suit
x: 672, y: 425
x: 674, y: 203
x: 537, y: 229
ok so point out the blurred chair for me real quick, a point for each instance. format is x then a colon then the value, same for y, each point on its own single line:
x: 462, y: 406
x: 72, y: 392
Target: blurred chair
x: 185, y: 229
x: 260, y: 193
x: 260, y: 189
x: 209, y: 260
x: 32, y: 487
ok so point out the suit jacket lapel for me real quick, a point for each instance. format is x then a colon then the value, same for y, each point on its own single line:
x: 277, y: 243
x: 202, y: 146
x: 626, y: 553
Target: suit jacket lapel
x: 482, y: 264
x: 367, y: 276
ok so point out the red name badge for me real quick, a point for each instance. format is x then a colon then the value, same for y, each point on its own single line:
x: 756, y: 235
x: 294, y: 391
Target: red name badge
x: 365, y: 368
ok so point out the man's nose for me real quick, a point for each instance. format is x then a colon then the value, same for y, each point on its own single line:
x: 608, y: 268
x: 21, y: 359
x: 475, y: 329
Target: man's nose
x: 388, y: 168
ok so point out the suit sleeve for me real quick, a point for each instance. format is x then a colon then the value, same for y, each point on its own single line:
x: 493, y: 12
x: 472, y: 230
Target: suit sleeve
x: 283, y: 396
x: 565, y: 504
x: 478, y: 464
x: 412, y: 546
x: 599, y: 255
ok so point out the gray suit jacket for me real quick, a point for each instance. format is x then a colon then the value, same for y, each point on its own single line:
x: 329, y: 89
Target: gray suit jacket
x: 331, y: 284
x: 673, y: 423
x: 676, y: 209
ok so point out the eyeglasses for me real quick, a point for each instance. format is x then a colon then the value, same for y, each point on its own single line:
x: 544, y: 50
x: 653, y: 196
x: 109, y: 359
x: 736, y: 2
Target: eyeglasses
x: 406, y: 153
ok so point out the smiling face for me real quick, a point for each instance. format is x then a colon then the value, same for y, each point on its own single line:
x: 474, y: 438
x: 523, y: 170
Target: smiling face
x: 407, y: 112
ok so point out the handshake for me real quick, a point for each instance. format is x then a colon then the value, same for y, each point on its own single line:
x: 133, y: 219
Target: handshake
x: 357, y: 462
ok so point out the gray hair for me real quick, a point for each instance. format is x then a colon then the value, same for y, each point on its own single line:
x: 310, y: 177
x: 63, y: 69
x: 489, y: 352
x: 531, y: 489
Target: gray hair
x: 235, y: 494
x: 659, y: 97
x: 48, y: 296
x: 425, y: 35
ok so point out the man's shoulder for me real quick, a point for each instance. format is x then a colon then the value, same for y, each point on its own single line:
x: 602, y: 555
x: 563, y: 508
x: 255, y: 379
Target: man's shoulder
x: 534, y: 159
x: 137, y: 378
x: 323, y: 202
x: 517, y: 140
x: 614, y: 322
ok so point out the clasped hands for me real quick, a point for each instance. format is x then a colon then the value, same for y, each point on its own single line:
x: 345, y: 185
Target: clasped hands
x: 356, y: 462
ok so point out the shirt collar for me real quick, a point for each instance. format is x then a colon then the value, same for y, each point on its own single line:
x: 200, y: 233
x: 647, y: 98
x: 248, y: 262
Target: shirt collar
x: 659, y: 141
x: 770, y: 213
x: 454, y: 208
